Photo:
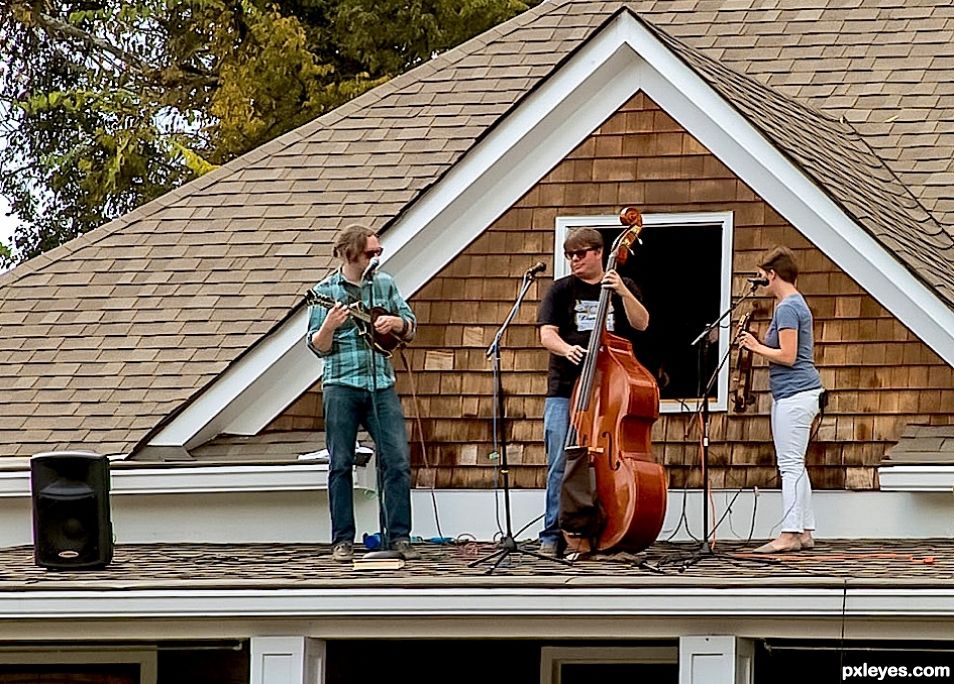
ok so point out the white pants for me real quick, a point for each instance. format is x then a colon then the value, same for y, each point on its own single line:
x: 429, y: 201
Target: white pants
x: 791, y: 427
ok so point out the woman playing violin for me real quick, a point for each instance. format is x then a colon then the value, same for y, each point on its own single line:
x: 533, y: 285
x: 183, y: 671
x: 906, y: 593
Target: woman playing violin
x: 796, y: 388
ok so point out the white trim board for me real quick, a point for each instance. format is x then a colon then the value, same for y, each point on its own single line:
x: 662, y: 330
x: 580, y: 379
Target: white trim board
x: 411, y: 601
x: 206, y: 479
x: 552, y: 120
x: 917, y: 478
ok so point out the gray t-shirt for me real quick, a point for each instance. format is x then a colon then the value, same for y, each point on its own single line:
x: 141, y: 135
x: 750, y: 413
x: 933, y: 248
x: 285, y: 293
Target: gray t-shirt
x: 793, y: 313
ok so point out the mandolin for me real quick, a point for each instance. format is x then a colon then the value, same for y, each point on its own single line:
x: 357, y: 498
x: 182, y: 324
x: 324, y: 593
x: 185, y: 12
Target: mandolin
x: 364, y: 319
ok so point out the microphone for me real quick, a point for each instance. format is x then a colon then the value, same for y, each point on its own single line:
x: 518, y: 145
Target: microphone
x: 372, y: 267
x: 538, y: 267
x: 757, y: 282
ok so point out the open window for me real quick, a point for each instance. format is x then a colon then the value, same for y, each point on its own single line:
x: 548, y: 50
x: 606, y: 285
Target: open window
x: 684, y: 272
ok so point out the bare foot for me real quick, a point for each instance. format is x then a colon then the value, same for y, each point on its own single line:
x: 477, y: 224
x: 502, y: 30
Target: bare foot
x: 785, y: 543
x: 806, y: 540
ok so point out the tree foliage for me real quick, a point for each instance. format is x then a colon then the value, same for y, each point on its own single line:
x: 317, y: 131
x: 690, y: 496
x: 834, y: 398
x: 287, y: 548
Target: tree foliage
x: 107, y: 104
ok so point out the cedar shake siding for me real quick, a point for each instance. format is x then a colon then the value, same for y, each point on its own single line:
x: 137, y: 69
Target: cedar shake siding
x: 880, y: 376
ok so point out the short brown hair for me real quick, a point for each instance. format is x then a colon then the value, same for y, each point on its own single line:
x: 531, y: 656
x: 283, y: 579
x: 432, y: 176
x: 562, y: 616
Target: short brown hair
x: 782, y: 261
x: 583, y: 238
x: 352, y: 241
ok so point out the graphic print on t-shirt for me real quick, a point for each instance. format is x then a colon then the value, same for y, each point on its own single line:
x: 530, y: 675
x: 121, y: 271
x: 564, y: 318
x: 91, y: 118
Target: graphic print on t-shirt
x: 585, y: 315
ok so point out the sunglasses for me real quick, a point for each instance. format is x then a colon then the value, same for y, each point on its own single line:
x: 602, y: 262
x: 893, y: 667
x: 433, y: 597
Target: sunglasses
x: 371, y: 253
x: 578, y: 253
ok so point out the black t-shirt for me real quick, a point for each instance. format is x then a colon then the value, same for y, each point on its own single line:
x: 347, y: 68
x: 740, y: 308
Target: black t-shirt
x: 570, y: 304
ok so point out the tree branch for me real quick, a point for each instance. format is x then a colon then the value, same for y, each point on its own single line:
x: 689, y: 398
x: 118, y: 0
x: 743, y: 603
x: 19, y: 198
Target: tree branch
x: 55, y: 25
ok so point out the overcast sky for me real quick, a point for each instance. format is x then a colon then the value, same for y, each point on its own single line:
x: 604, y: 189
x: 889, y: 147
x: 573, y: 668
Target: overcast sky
x: 6, y: 223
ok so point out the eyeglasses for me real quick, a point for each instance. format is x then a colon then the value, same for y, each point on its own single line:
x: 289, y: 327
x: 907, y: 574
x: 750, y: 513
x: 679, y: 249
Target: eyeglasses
x: 371, y: 253
x: 578, y: 253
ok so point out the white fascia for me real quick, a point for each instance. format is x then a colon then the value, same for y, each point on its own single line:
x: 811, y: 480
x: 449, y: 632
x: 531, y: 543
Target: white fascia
x: 916, y: 478
x: 204, y: 479
x: 477, y: 602
x: 556, y: 117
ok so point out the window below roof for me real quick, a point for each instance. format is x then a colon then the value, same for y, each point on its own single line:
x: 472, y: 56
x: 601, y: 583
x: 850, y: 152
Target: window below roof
x: 684, y: 271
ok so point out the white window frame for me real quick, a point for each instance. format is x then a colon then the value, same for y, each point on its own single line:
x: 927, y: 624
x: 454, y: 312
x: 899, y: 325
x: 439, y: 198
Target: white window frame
x: 720, y: 219
x: 552, y: 658
x: 145, y: 658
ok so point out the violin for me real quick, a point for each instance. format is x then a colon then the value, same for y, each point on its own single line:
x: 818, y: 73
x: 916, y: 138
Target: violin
x: 614, y: 405
x: 743, y: 397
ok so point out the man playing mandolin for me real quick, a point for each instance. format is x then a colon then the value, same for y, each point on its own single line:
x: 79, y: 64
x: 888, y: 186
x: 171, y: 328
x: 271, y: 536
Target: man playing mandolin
x: 566, y: 318
x: 358, y: 387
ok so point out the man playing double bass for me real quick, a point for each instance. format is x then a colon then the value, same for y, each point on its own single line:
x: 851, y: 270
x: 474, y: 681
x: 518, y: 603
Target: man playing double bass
x: 566, y: 318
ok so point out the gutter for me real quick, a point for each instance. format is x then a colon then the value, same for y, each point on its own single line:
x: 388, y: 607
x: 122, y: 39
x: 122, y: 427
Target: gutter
x: 462, y: 602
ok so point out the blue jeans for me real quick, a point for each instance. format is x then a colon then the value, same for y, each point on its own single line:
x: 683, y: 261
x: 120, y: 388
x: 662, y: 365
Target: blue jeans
x: 347, y: 408
x: 556, y: 422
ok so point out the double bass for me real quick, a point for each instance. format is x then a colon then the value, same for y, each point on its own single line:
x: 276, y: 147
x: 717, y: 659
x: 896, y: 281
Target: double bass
x: 614, y: 405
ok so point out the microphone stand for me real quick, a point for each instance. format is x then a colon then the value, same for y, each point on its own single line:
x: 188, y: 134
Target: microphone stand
x: 507, y: 544
x: 703, y: 341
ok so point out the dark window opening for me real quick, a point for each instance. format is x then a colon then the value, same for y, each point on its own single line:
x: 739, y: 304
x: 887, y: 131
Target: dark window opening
x: 586, y: 673
x: 678, y: 271
x: 99, y: 673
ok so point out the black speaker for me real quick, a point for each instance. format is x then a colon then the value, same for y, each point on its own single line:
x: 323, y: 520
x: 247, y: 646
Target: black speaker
x: 71, y: 523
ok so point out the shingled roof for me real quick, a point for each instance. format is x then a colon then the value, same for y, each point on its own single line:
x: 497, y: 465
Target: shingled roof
x: 103, y: 337
x: 199, y: 591
x: 843, y: 164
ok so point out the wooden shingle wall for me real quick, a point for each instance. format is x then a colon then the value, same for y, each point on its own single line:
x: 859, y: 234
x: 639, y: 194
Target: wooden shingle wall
x: 880, y: 376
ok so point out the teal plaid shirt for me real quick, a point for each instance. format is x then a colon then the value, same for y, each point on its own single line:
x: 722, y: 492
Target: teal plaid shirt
x: 349, y: 361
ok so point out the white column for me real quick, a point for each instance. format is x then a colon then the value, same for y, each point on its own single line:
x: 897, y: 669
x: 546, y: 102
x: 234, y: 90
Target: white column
x: 287, y: 660
x: 715, y: 660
